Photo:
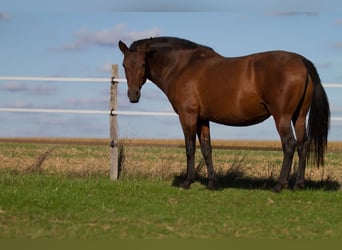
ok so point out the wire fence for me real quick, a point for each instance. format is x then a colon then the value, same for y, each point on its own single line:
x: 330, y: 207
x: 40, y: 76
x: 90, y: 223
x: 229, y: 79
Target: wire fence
x: 99, y: 112
x: 76, y: 111
x: 87, y: 112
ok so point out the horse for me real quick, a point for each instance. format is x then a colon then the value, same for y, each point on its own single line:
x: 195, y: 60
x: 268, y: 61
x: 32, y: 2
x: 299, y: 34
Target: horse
x: 204, y: 86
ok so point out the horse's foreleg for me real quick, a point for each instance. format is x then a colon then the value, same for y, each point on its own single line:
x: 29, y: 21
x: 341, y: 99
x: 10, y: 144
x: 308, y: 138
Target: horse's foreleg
x: 203, y: 133
x: 190, y: 147
x: 189, y: 129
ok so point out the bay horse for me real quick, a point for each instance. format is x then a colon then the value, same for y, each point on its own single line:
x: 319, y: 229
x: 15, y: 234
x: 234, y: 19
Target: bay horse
x: 203, y: 86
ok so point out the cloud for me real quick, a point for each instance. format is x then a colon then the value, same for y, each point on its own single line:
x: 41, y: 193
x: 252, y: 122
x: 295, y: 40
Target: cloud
x: 337, y: 45
x: 19, y: 104
x: 99, y: 102
x: 42, y: 90
x: 84, y: 38
x: 23, y: 104
x: 37, y: 90
x: 293, y: 13
x: 13, y: 87
x: 105, y: 68
x: 169, y: 6
x: 339, y: 22
x: 4, y: 16
x: 324, y: 65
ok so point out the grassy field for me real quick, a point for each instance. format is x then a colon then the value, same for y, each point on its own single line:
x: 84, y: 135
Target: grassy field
x: 63, y: 191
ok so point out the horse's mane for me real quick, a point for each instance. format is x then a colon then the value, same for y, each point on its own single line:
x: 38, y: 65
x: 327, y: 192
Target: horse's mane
x: 171, y: 43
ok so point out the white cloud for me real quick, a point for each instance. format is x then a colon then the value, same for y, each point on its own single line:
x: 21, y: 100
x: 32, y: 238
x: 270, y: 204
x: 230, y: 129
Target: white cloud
x: 4, y: 16
x: 99, y: 102
x: 42, y: 90
x: 168, y: 6
x: 83, y: 38
x: 336, y: 45
x: 293, y: 13
x: 13, y: 87
x: 324, y: 65
x: 37, y: 90
x: 106, y: 68
x: 339, y: 22
x: 22, y: 104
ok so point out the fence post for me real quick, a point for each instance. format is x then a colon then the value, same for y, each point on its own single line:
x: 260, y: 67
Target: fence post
x: 113, y: 125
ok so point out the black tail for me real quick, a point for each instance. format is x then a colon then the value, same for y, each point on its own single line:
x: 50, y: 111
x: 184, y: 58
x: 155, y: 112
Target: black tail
x: 319, y: 117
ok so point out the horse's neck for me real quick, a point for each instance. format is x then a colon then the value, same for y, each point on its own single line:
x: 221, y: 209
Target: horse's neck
x: 163, y: 67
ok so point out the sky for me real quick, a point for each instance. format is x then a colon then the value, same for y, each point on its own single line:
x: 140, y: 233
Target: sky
x: 78, y: 38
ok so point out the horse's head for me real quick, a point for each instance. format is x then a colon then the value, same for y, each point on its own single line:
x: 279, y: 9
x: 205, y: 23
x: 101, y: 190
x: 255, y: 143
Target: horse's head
x: 134, y: 63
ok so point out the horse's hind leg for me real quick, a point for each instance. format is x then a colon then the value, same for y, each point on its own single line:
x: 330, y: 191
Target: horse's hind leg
x: 203, y: 133
x: 299, y: 123
x: 302, y: 149
x: 288, y: 144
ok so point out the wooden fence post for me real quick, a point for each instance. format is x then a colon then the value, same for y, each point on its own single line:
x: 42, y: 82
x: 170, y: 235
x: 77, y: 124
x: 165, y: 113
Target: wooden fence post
x: 113, y: 125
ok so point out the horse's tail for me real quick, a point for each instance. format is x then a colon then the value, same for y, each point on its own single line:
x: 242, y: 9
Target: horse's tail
x: 319, y: 117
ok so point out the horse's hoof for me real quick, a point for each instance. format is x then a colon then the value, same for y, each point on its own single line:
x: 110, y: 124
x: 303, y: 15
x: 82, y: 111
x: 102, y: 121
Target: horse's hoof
x: 298, y: 186
x: 211, y: 188
x: 212, y: 185
x: 278, y: 188
x: 186, y: 185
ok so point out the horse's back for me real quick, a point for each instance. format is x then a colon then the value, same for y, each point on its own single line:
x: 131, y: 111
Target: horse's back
x: 239, y: 91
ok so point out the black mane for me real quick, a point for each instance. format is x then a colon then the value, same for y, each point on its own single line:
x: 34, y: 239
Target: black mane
x: 168, y: 43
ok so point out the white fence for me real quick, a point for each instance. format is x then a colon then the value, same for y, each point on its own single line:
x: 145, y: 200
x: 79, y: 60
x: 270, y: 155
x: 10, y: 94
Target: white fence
x: 74, y: 111
x: 97, y: 112
x: 112, y: 113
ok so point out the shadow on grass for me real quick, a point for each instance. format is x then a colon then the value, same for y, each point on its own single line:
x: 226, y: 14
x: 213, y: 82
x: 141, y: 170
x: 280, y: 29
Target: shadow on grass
x: 237, y: 179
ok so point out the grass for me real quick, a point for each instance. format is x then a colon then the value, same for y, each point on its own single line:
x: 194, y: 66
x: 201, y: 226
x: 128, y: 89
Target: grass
x: 50, y: 206
x: 63, y: 192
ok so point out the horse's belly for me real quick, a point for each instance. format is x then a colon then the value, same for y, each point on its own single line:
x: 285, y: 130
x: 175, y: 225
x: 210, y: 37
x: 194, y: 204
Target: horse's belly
x: 235, y: 121
x: 237, y: 115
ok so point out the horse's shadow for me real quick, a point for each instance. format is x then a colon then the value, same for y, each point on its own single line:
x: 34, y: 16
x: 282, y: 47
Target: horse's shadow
x: 237, y: 179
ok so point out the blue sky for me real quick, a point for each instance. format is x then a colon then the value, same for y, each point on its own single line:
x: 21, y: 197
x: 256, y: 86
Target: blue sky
x: 78, y: 38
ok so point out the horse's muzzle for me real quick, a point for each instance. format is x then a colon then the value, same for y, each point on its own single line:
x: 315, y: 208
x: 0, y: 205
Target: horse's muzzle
x: 133, y: 95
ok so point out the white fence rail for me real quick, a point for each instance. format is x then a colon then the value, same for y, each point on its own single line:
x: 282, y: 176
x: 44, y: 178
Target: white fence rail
x: 99, y: 112
x: 87, y: 112
x: 113, y: 112
x: 98, y: 79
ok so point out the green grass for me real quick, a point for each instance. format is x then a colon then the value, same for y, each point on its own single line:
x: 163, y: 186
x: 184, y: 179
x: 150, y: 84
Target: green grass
x: 40, y: 205
x: 64, y: 192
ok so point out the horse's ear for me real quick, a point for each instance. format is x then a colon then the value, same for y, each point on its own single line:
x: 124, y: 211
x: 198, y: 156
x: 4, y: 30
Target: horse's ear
x: 123, y: 47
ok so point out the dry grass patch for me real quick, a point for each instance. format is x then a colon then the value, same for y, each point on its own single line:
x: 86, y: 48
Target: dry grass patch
x: 159, y: 162
x: 61, y: 159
